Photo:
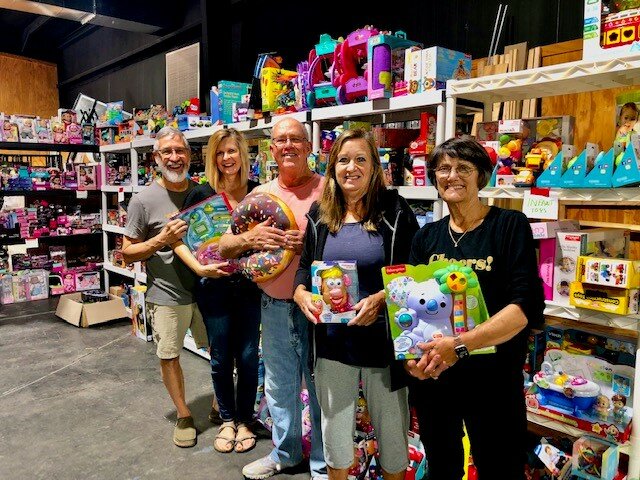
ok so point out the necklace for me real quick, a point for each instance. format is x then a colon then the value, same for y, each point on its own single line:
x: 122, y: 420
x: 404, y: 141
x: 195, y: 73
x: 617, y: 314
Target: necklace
x: 455, y: 243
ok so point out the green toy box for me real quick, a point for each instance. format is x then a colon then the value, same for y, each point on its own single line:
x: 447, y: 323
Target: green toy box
x: 426, y: 302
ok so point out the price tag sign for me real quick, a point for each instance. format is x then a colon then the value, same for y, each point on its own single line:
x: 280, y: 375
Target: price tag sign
x: 120, y: 195
x: 82, y: 193
x: 539, y: 206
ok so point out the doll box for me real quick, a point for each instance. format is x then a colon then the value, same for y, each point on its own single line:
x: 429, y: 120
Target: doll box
x: 88, y: 175
x: 72, y: 310
x: 334, y: 288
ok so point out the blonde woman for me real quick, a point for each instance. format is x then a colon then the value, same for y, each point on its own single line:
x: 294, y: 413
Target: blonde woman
x: 230, y: 304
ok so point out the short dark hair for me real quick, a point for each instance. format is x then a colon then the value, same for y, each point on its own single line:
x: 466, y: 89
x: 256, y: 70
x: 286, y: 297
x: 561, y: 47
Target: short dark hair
x: 465, y: 148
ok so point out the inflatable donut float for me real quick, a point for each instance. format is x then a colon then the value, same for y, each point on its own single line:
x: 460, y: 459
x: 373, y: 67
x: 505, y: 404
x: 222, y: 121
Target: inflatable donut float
x: 208, y: 253
x: 255, y: 208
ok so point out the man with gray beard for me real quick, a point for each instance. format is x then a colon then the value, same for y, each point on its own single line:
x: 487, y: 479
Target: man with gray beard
x: 170, y: 283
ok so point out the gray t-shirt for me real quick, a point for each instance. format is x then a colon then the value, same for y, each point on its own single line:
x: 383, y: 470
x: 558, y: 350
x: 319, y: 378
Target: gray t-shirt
x: 169, y: 281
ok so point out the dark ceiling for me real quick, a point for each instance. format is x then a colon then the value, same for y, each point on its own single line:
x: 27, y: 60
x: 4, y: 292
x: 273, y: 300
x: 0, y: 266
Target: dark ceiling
x: 41, y: 29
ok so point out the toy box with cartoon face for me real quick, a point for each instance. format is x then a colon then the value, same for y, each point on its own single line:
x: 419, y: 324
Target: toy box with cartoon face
x: 334, y: 288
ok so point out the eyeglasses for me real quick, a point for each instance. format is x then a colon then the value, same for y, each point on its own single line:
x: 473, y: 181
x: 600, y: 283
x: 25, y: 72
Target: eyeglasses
x: 281, y: 142
x: 463, y: 171
x: 166, y: 152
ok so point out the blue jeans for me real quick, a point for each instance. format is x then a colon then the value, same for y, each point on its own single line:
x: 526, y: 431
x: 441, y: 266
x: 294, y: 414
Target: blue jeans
x: 285, y: 351
x: 232, y: 318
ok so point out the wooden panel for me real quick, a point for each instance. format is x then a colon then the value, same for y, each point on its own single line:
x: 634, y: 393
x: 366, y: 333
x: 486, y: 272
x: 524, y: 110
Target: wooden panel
x: 562, y: 47
x: 28, y: 86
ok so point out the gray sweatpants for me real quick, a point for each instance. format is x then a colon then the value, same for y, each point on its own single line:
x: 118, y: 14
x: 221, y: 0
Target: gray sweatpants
x: 337, y: 390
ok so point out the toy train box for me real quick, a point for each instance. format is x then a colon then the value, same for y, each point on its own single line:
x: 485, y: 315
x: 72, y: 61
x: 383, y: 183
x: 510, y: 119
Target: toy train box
x: 334, y: 288
x: 426, y: 302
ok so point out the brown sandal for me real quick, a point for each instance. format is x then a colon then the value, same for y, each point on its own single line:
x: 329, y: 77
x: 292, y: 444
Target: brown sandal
x: 224, y: 443
x: 246, y: 436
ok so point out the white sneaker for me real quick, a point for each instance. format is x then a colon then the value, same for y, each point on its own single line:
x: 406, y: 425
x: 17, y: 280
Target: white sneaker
x: 264, y: 467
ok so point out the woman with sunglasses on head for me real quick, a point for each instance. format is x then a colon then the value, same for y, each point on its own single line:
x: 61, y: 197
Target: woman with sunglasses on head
x: 230, y: 304
x: 483, y: 391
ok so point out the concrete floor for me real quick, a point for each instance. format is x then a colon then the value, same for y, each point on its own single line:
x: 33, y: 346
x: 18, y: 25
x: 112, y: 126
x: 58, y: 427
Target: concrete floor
x: 90, y: 404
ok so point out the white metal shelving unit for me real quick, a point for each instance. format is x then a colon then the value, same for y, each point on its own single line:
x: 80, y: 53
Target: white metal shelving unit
x: 568, y: 78
x: 107, y: 229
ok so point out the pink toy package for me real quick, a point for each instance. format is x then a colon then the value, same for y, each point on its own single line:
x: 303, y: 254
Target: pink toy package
x: 87, y: 281
x: 348, y: 72
x: 74, y: 133
x: 88, y: 175
x: 69, y: 282
x: 6, y: 289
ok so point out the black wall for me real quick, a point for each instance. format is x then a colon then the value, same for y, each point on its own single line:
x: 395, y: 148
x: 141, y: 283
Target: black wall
x: 112, y: 65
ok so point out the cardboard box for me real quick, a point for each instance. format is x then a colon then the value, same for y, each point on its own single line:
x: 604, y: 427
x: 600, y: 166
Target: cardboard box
x: 80, y: 314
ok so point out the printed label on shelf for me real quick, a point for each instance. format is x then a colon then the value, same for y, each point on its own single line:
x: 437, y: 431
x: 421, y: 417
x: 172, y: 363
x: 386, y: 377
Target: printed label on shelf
x: 120, y: 195
x: 82, y: 194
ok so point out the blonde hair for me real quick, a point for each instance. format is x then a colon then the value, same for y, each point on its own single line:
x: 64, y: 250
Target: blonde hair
x: 333, y: 205
x: 211, y: 170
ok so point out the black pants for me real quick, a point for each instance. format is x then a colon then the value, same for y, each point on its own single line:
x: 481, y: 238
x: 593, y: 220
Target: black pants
x: 487, y: 395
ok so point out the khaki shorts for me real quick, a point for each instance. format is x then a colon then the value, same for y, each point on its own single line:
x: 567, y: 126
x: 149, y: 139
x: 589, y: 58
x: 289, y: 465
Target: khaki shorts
x: 170, y: 324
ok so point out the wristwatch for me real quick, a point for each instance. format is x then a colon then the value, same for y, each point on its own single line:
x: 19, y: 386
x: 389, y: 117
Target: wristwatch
x: 460, y: 348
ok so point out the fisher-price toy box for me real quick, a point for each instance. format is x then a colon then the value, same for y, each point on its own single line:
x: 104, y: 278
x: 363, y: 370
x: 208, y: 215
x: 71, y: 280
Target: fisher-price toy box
x: 609, y: 35
x: 426, y: 302
x: 598, y: 242
x: 334, y: 288
x: 586, y: 381
x: 545, y: 233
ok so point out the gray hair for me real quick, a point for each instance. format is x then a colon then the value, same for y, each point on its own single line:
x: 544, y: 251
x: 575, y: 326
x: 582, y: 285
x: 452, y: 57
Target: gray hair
x: 170, y: 132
